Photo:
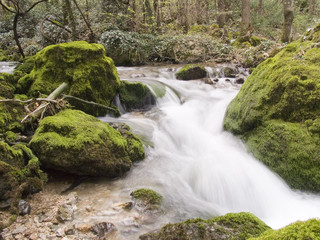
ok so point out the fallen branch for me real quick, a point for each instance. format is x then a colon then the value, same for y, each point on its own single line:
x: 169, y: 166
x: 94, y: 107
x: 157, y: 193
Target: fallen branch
x: 89, y: 102
x: 46, y: 101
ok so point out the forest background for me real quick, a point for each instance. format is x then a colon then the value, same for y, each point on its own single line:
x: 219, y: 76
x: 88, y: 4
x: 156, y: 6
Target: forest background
x: 141, y: 31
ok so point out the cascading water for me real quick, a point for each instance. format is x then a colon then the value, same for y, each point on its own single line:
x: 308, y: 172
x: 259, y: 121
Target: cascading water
x: 200, y: 169
x: 7, y: 67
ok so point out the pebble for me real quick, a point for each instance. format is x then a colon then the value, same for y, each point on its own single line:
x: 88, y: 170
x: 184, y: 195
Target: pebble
x: 24, y: 207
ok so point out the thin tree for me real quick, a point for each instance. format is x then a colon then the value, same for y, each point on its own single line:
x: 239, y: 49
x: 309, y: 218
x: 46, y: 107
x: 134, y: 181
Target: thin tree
x: 19, y: 11
x: 221, y: 16
x: 246, y: 27
x: 288, y: 20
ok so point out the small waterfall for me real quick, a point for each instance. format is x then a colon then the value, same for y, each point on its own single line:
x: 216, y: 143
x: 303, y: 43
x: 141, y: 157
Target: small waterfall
x: 201, y: 170
x: 7, y: 67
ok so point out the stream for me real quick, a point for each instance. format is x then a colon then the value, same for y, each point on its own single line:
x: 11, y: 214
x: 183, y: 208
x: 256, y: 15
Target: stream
x: 199, y: 169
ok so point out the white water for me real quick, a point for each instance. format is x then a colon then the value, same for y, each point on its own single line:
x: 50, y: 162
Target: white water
x: 7, y: 67
x: 201, y: 170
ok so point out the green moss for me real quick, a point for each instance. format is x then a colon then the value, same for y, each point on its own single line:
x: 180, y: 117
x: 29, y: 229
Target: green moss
x: 11, y: 114
x: 299, y: 230
x: 191, y: 71
x: 135, y: 95
x: 75, y: 142
x: 255, y: 41
x: 6, y: 87
x: 147, y: 195
x: 233, y: 226
x: 27, y: 65
x: 20, y: 172
x: 279, y: 95
x: 90, y: 74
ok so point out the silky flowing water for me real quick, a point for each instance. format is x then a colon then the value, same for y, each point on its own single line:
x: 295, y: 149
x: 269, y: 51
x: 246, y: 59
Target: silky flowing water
x: 199, y: 169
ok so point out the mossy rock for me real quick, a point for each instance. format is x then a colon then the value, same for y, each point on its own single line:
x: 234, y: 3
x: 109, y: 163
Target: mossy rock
x: 236, y: 226
x: 11, y: 114
x: 27, y: 65
x: 299, y: 230
x: 147, y: 199
x: 135, y: 96
x: 191, y: 71
x: 20, y: 172
x: 90, y: 74
x: 6, y: 86
x: 274, y: 104
x: 77, y: 143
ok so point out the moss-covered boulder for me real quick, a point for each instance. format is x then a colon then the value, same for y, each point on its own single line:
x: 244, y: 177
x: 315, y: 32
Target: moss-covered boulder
x: 296, y: 231
x: 236, y: 226
x: 20, y: 172
x: 147, y: 200
x: 90, y: 74
x: 135, y: 96
x: 277, y: 112
x: 77, y: 143
x: 191, y: 71
x: 11, y: 114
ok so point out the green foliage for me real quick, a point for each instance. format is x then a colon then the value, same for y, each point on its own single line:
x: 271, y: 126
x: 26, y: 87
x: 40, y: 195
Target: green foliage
x: 278, y: 97
x: 299, y: 230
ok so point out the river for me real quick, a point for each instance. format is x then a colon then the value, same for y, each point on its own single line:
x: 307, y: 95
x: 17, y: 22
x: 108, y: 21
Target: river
x: 198, y: 168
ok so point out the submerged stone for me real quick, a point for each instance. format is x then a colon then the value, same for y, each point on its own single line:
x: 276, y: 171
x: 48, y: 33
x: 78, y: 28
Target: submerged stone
x: 277, y: 109
x: 147, y: 200
x: 191, y: 72
x: 135, y: 96
x: 236, y: 226
x: 74, y: 142
x: 89, y: 73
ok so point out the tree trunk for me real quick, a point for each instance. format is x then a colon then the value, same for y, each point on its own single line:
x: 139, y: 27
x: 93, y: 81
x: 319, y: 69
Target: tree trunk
x: 288, y: 19
x: 156, y: 9
x: 15, y: 33
x: 69, y: 18
x: 261, y: 6
x: 312, y: 7
x: 221, y: 16
x: 246, y: 27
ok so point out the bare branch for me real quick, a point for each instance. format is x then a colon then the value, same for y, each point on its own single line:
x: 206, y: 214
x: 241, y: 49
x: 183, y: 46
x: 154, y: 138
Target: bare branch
x: 35, y: 4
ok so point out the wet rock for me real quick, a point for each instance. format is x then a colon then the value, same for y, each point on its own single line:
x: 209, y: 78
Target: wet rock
x: 135, y: 96
x: 70, y: 230
x: 236, y: 226
x: 20, y: 229
x: 24, y: 207
x: 230, y: 72
x: 103, y: 228
x: 227, y: 80
x: 239, y: 80
x: 191, y: 72
x: 65, y: 213
x: 147, y: 200
x: 84, y: 228
x: 138, y: 75
x: 216, y: 80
